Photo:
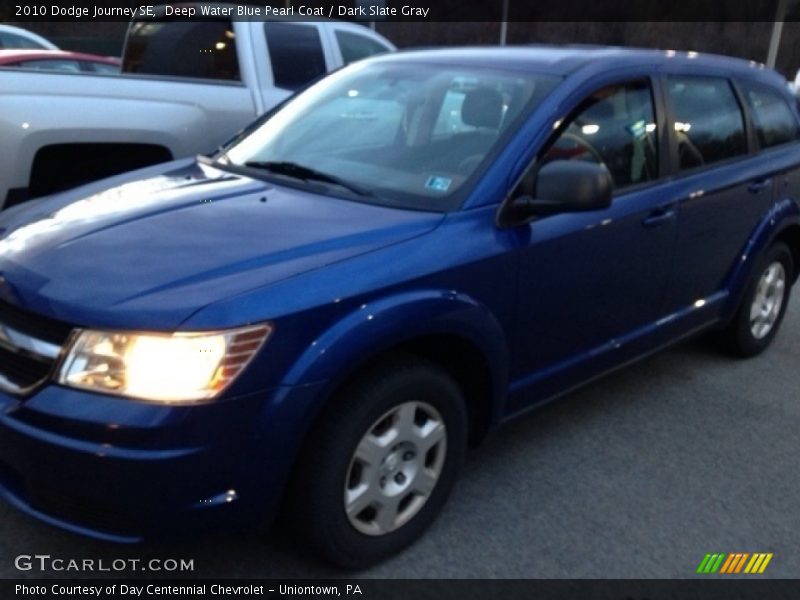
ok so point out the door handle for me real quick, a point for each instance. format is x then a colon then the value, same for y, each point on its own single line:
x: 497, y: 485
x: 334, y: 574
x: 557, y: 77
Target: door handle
x: 759, y: 185
x: 659, y: 216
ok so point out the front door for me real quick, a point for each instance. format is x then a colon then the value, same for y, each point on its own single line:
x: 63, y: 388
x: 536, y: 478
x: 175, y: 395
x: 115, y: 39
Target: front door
x: 590, y: 281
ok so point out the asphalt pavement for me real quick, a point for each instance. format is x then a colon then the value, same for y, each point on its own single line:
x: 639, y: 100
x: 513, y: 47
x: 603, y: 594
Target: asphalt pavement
x: 638, y: 475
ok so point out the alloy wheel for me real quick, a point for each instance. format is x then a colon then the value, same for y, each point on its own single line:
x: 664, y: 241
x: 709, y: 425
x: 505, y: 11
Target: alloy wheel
x: 395, y: 468
x: 768, y: 300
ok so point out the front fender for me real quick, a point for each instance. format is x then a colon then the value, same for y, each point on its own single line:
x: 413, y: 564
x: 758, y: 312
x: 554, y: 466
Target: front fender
x: 782, y: 215
x: 376, y: 327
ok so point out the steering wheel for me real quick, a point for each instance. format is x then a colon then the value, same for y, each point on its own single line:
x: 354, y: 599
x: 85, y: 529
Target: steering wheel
x: 581, y: 142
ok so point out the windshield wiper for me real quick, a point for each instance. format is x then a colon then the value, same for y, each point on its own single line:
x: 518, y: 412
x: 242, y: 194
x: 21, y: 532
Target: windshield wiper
x: 296, y: 171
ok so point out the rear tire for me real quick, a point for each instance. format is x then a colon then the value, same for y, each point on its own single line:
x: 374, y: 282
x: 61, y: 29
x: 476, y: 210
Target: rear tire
x: 380, y: 463
x: 764, y: 305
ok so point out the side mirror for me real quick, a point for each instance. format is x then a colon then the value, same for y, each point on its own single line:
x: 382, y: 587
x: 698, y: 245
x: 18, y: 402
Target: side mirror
x: 564, y: 186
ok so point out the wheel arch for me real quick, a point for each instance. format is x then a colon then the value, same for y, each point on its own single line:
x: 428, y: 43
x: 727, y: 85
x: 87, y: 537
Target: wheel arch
x: 791, y: 237
x: 456, y: 355
x: 476, y: 357
x: 781, y: 224
x: 447, y: 329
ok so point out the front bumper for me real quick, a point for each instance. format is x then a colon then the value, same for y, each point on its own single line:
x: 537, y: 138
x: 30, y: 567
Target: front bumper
x: 121, y: 470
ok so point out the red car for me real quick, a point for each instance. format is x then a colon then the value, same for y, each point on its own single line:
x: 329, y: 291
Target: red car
x: 59, y: 60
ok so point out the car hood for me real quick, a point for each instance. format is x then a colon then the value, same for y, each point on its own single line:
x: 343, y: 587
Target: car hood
x: 152, y: 249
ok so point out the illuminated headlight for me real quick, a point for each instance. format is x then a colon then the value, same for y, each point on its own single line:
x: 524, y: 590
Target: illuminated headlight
x: 172, y: 368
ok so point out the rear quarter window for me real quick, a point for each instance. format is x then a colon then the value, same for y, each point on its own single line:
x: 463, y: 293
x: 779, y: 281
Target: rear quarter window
x: 774, y: 121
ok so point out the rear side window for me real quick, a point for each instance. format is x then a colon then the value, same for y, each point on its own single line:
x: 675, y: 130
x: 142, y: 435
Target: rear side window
x: 773, y: 119
x: 204, y: 50
x: 615, y: 126
x: 709, y: 125
x: 355, y: 47
x: 295, y: 52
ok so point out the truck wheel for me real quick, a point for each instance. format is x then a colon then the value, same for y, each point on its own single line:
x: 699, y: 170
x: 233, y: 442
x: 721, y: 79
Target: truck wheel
x: 764, y: 305
x: 379, y: 466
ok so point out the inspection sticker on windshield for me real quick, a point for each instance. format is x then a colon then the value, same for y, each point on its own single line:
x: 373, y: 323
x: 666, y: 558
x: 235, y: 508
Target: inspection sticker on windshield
x: 438, y: 184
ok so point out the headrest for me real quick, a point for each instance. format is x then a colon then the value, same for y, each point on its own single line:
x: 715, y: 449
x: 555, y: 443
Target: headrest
x: 482, y: 107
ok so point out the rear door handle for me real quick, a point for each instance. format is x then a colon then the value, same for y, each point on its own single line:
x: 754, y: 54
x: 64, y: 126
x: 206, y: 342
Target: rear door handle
x: 659, y: 216
x: 759, y: 185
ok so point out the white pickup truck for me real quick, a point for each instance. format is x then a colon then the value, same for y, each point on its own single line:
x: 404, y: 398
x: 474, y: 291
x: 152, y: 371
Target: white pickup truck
x: 186, y: 88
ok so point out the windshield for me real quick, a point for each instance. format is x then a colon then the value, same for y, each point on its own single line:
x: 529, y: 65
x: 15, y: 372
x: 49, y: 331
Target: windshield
x: 409, y: 135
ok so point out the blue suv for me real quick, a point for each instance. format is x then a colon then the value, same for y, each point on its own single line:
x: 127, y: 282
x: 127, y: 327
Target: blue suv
x: 322, y: 316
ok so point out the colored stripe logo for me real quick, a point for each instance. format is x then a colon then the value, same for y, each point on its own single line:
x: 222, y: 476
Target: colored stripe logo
x: 737, y: 562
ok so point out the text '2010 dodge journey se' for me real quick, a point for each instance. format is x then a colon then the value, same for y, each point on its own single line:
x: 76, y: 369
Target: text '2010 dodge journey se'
x: 321, y: 317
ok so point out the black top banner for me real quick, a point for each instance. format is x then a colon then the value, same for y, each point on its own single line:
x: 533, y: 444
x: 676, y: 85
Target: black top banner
x: 407, y: 10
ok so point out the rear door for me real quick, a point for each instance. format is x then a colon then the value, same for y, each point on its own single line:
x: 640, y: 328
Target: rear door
x: 725, y: 193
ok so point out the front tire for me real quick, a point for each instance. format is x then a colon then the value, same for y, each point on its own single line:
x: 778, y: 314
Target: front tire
x: 380, y: 463
x: 760, y: 315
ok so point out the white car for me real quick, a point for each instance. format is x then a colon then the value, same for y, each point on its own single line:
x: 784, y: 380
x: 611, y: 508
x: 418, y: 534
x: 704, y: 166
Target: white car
x: 14, y: 37
x: 186, y: 87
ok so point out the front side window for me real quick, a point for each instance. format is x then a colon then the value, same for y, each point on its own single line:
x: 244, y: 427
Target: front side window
x: 407, y: 134
x: 773, y: 119
x: 615, y: 127
x: 204, y: 50
x: 295, y: 53
x: 709, y: 125
x: 355, y: 47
